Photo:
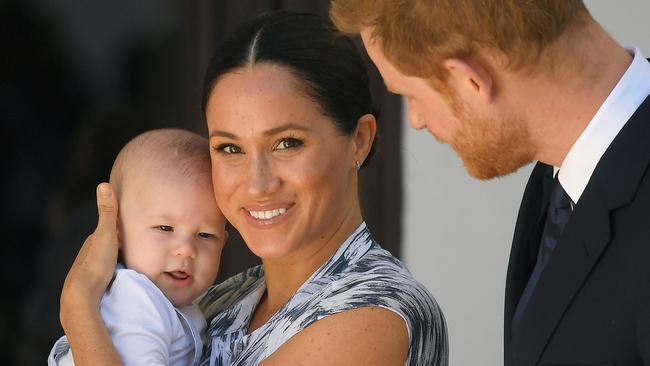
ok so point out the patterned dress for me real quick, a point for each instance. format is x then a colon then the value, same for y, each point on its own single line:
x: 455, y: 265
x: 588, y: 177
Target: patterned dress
x: 360, y: 274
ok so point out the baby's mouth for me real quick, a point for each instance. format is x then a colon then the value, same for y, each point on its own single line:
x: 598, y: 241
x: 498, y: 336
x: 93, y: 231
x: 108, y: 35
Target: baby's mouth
x: 178, y: 275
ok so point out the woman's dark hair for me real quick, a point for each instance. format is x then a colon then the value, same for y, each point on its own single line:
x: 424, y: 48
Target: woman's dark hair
x: 309, y: 47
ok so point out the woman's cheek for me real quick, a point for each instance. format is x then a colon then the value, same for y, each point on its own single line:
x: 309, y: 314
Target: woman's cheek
x: 225, y: 180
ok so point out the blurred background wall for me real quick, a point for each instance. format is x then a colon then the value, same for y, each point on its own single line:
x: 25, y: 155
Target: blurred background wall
x: 457, y: 231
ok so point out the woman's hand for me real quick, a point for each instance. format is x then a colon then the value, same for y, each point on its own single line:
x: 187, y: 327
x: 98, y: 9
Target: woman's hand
x: 85, y: 283
x: 93, y: 268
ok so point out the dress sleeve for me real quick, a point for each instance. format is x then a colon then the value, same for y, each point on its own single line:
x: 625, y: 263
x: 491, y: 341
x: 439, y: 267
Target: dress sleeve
x: 140, y: 320
x: 60, y: 355
x: 398, y: 292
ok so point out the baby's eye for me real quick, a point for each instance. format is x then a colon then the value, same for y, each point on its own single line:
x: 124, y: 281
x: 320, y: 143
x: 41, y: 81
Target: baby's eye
x: 206, y: 235
x: 165, y: 228
x: 288, y: 143
x: 228, y: 149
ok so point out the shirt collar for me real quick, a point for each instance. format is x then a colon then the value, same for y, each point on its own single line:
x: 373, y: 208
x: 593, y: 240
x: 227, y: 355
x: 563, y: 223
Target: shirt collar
x: 628, y: 94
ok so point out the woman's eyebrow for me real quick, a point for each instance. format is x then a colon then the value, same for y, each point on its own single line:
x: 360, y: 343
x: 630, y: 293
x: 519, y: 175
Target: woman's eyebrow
x: 223, y: 134
x: 269, y: 132
x: 285, y: 127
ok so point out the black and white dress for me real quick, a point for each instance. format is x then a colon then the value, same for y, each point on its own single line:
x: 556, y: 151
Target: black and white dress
x: 360, y: 274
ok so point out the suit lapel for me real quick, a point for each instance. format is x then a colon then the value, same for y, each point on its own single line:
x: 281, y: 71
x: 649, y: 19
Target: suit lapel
x: 525, y: 239
x: 563, y: 276
x: 613, y: 184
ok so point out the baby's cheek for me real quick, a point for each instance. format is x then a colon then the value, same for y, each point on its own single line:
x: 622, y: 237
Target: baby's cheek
x: 210, y: 262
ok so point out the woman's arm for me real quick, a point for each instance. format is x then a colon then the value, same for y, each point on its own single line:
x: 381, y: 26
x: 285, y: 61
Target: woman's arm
x: 364, y: 336
x: 84, y: 285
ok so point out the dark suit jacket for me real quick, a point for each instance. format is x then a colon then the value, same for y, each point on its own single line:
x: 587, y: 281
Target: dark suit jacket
x: 591, y: 305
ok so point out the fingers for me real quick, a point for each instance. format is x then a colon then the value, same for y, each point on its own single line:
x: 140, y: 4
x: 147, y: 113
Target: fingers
x: 107, y: 207
x: 93, y: 268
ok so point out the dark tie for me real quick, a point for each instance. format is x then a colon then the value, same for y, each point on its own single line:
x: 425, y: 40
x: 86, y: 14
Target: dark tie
x: 557, y: 216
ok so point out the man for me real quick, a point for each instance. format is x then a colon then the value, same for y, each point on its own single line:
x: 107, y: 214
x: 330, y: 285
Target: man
x: 507, y: 82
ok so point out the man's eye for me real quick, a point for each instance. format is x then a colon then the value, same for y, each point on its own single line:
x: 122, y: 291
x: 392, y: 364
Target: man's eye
x: 206, y: 235
x: 165, y: 228
x: 288, y: 143
x: 229, y: 149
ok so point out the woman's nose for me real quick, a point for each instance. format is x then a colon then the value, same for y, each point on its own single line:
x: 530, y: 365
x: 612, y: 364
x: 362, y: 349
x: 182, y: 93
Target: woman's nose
x: 262, y: 177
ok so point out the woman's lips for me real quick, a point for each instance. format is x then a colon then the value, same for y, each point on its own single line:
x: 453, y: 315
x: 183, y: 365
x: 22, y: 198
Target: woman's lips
x: 265, y: 217
x: 268, y: 214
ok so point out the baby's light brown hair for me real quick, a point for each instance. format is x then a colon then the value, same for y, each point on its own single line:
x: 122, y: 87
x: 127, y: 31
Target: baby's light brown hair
x: 175, y: 153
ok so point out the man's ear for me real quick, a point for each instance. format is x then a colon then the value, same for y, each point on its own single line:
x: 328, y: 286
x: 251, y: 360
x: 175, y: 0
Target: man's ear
x: 364, y: 135
x: 470, y: 80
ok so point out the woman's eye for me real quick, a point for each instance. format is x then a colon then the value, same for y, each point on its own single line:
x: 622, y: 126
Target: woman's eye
x: 165, y: 228
x: 229, y: 149
x: 288, y: 143
x: 206, y: 235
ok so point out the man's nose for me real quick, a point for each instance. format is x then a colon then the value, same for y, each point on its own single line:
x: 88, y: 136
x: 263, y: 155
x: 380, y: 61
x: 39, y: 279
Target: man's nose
x: 414, y: 119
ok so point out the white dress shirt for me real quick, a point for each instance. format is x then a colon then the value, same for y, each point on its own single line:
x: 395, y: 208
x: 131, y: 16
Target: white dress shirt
x: 626, y: 97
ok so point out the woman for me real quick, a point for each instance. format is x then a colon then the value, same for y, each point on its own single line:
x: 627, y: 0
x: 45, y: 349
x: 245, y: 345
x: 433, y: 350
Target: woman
x: 290, y: 120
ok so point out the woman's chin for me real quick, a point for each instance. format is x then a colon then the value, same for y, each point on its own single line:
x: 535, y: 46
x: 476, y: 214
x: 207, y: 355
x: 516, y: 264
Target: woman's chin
x: 269, y: 250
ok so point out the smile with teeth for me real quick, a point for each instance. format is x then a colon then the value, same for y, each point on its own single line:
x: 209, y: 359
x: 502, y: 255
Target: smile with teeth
x: 269, y: 214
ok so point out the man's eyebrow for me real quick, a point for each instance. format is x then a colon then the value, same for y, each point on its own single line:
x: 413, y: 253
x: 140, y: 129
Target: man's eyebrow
x: 390, y: 89
x: 269, y: 132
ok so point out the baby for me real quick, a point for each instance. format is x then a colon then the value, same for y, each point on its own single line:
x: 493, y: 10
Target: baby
x: 171, y: 234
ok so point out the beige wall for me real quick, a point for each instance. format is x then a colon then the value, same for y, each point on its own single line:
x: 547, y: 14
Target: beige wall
x: 457, y: 231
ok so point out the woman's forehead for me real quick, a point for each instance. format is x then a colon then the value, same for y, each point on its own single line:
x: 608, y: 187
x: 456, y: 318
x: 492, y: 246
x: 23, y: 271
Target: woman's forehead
x: 258, y: 78
x: 264, y: 97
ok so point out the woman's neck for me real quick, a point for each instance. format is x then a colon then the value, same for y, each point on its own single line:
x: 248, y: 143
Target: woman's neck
x: 284, y: 277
